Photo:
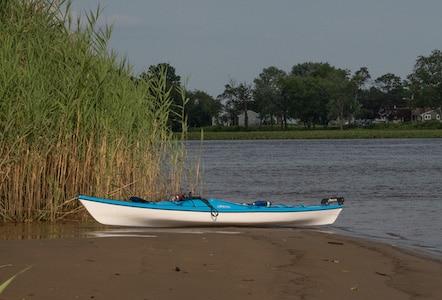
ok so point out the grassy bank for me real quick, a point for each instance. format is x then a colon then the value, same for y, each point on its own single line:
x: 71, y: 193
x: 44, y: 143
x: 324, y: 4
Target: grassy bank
x: 429, y: 129
x: 317, y: 134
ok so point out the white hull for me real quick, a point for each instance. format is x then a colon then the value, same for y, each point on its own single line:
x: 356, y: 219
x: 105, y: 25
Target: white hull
x: 136, y: 216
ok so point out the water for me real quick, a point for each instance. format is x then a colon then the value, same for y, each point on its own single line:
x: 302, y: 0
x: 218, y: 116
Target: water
x: 392, y: 187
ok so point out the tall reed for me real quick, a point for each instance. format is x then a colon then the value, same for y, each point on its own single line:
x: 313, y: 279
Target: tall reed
x: 73, y: 119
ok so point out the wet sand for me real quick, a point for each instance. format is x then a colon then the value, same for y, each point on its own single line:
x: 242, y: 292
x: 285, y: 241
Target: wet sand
x: 216, y: 264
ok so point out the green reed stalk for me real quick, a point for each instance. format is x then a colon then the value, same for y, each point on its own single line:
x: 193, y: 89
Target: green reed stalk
x: 8, y: 281
x: 73, y: 120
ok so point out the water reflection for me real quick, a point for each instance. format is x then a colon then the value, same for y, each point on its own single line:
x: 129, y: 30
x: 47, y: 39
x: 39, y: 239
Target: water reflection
x: 36, y: 231
x: 26, y: 231
x: 153, y: 232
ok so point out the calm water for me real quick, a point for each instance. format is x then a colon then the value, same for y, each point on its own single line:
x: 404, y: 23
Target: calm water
x: 392, y: 187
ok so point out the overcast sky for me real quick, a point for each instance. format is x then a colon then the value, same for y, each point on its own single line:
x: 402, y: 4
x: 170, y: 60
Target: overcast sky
x: 211, y: 41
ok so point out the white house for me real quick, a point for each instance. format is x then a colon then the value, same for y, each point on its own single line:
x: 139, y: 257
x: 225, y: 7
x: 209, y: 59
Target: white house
x: 253, y: 118
x: 429, y: 115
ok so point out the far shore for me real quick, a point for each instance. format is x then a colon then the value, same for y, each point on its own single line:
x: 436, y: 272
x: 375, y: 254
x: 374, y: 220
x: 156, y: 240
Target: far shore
x: 355, y: 133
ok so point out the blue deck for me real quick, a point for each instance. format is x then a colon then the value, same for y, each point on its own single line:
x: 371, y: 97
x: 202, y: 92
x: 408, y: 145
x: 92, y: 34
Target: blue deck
x: 204, y: 205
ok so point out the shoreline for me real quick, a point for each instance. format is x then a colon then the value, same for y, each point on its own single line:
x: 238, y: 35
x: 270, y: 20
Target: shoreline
x: 419, y: 251
x: 300, y: 134
x: 237, y: 263
x: 89, y: 228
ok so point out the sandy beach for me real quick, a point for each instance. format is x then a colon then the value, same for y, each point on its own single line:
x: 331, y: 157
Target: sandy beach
x: 217, y: 264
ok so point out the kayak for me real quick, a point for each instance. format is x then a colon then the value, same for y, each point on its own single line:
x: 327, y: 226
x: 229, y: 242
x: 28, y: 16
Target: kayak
x: 202, y: 212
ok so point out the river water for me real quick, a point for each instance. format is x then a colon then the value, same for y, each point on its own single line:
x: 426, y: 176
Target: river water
x: 392, y: 187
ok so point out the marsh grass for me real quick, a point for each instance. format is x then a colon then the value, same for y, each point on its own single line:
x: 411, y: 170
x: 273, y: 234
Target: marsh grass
x: 73, y: 119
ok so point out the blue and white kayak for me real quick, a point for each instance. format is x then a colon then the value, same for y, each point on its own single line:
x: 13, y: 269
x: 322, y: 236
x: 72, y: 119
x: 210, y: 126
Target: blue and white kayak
x: 209, y: 212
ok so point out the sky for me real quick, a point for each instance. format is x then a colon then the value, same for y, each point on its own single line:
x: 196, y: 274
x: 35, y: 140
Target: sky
x: 209, y: 42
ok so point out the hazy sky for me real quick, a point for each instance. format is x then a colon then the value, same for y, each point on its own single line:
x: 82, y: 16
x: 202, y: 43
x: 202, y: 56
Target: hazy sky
x: 211, y: 41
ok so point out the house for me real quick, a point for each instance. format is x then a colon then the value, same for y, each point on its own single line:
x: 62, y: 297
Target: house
x: 253, y: 117
x: 227, y: 120
x: 394, y: 114
x: 430, y: 115
x: 426, y: 115
x: 400, y: 115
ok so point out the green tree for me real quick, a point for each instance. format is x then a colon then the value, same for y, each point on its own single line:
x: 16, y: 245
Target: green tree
x: 239, y: 98
x: 342, y: 91
x: 374, y: 101
x: 388, y: 82
x: 201, y: 108
x: 391, y: 86
x: 267, y: 93
x: 314, y: 69
x: 425, y: 82
x: 172, y: 78
x: 310, y: 105
x: 361, y: 78
x: 303, y: 89
x: 320, y: 92
x: 290, y: 99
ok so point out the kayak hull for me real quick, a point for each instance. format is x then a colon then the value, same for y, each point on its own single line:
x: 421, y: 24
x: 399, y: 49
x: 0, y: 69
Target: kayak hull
x: 210, y: 212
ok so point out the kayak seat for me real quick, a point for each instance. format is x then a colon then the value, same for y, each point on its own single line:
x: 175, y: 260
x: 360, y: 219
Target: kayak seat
x: 138, y: 200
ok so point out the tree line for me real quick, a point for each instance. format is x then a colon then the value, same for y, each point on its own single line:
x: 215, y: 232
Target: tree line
x: 314, y: 93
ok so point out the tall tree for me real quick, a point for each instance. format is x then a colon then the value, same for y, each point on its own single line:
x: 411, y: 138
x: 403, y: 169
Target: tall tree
x: 239, y: 98
x: 425, y: 82
x: 310, y: 99
x: 328, y: 92
x: 392, y: 88
x: 305, y: 98
x: 314, y: 69
x: 388, y: 82
x: 361, y: 77
x: 267, y: 93
x: 201, y: 108
x: 171, y: 77
x: 290, y: 100
x: 342, y: 93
